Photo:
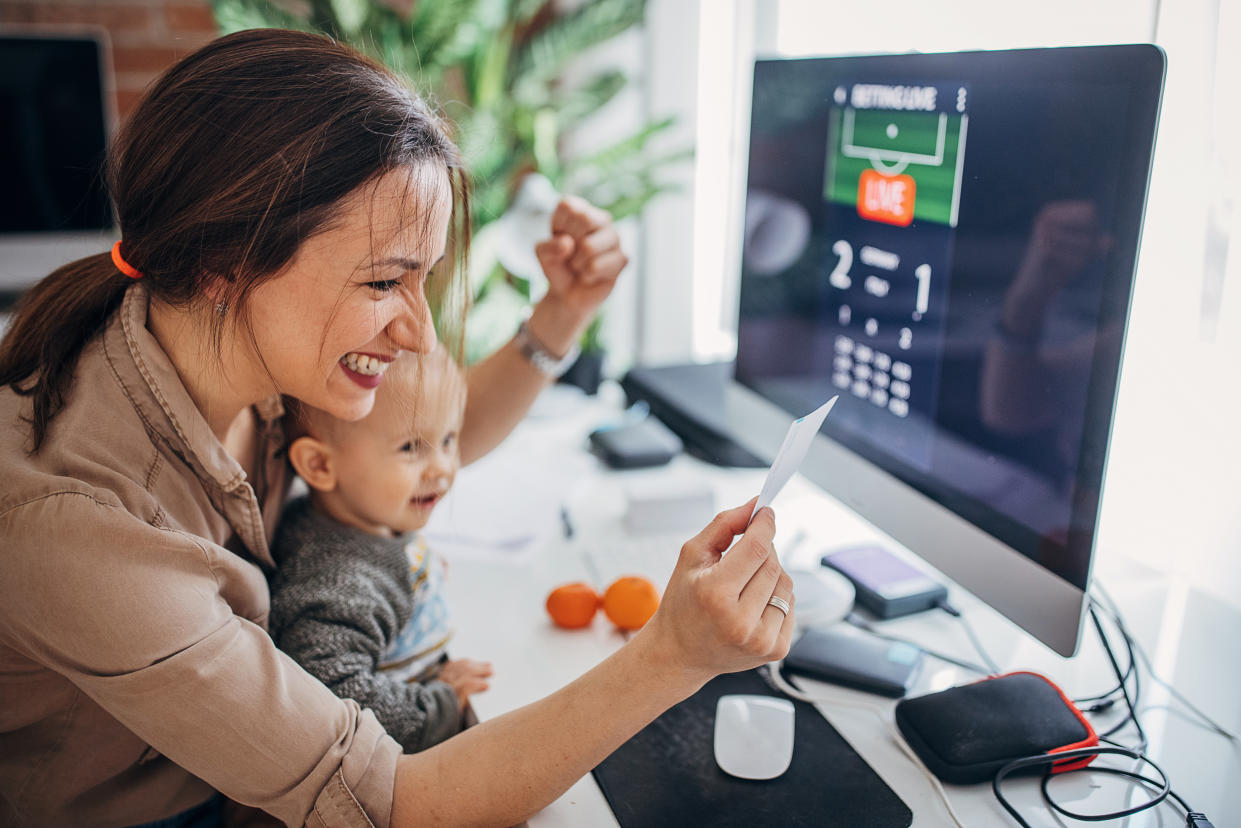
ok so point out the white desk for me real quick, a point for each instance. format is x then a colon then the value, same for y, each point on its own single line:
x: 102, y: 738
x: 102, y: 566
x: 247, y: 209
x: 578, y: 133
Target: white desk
x: 497, y: 600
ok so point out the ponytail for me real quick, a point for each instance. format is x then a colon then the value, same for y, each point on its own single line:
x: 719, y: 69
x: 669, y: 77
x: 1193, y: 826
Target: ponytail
x: 53, y: 322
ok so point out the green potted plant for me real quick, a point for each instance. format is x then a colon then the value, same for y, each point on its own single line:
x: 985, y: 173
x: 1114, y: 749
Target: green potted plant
x: 499, y: 69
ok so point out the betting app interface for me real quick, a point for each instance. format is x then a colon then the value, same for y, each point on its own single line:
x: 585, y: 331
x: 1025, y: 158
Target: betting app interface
x: 894, y: 154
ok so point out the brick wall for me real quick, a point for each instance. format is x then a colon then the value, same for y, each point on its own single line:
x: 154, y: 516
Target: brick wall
x: 146, y: 35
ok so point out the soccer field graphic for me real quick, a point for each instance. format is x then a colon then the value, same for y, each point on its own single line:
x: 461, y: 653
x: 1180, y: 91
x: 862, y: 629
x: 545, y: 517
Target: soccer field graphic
x: 896, y: 166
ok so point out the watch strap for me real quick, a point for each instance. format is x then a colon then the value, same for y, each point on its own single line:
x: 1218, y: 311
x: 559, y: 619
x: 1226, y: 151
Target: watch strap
x: 540, y: 357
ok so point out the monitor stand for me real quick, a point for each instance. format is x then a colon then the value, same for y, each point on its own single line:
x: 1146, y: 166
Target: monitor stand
x: 689, y: 399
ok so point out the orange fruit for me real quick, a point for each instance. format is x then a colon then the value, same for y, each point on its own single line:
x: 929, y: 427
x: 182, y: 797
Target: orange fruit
x: 573, y: 606
x: 630, y: 602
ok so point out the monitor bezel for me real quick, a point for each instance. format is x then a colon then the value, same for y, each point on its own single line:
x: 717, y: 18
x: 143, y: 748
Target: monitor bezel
x: 1046, y: 605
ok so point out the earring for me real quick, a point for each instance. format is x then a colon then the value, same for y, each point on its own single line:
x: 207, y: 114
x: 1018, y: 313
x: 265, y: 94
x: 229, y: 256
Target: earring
x: 221, y: 308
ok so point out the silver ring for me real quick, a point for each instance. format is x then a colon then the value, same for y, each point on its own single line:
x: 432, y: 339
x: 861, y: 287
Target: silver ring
x: 779, y: 603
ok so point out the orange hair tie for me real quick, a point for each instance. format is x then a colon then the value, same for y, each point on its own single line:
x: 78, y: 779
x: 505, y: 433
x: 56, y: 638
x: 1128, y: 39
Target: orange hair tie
x: 122, y: 265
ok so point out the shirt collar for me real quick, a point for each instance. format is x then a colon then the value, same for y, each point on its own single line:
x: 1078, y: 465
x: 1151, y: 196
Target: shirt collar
x: 162, y: 401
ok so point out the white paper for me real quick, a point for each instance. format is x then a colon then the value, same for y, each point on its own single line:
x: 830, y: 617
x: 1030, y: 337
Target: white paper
x: 791, y: 454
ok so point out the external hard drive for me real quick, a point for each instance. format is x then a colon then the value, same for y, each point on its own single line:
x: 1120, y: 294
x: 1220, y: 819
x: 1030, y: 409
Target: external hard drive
x: 854, y: 658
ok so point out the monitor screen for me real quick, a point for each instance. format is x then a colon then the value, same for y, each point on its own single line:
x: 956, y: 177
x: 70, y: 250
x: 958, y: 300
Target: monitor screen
x: 949, y: 243
x: 52, y: 135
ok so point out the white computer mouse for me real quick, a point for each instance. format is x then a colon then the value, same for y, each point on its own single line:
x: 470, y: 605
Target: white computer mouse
x: 753, y: 736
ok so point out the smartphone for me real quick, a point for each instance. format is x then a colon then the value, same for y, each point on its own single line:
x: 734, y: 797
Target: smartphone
x: 886, y: 585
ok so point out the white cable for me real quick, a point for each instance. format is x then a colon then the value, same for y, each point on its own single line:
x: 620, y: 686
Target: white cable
x: 913, y: 757
x: 773, y: 674
x: 1114, y: 610
x: 1187, y: 718
x: 862, y: 624
x: 977, y: 642
x: 1206, y: 721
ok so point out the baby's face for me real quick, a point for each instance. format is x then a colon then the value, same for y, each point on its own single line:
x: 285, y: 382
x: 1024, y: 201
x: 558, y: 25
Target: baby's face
x: 392, y: 468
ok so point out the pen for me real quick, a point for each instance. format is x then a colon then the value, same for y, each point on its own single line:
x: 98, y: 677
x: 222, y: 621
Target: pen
x: 565, y: 522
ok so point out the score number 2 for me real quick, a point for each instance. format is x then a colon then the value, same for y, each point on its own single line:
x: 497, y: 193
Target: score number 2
x: 839, y: 277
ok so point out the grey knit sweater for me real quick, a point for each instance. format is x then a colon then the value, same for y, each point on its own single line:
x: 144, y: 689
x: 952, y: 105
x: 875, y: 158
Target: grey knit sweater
x: 338, y: 598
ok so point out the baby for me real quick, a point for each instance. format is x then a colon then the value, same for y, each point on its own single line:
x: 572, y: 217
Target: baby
x: 356, y: 599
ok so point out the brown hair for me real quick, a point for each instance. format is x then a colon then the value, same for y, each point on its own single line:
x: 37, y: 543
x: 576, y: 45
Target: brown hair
x: 234, y: 157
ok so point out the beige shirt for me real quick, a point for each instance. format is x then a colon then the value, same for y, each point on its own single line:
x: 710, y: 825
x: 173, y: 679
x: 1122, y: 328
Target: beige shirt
x: 136, y: 673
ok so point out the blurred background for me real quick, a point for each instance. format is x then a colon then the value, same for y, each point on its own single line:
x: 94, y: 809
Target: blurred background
x: 640, y: 106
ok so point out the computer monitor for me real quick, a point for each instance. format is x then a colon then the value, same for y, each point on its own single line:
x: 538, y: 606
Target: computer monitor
x: 55, y: 114
x: 948, y: 242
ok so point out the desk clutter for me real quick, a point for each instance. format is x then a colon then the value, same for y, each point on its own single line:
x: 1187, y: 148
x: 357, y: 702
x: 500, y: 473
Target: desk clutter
x: 667, y: 774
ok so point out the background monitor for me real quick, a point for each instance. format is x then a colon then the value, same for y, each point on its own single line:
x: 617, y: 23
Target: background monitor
x: 55, y: 107
x: 949, y: 241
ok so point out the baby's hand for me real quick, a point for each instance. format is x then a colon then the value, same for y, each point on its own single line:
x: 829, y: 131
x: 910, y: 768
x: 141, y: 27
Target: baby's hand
x: 466, y: 677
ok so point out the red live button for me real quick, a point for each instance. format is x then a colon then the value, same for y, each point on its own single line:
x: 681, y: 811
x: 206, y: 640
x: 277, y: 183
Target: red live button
x: 886, y: 198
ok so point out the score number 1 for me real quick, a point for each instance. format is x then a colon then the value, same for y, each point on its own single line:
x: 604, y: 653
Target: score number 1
x: 923, y: 274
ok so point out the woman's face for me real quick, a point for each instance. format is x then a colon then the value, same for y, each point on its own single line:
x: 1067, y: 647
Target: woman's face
x: 354, y: 295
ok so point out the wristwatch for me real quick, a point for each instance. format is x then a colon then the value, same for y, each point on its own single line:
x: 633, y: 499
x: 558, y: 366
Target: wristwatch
x: 544, y: 360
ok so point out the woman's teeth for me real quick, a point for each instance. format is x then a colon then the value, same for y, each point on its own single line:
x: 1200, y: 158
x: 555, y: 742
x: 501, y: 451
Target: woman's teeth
x: 363, y: 364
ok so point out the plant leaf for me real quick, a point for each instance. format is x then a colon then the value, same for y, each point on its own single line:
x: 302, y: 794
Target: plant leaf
x: 433, y: 24
x: 576, y: 105
x: 543, y: 57
x: 625, y: 148
x: 238, y: 15
x: 522, y: 11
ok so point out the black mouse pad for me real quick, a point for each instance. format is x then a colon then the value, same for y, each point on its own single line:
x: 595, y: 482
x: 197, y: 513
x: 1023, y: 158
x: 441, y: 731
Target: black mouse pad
x: 666, y: 774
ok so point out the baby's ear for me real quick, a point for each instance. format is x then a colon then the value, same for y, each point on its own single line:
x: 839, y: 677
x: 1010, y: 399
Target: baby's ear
x: 314, y: 463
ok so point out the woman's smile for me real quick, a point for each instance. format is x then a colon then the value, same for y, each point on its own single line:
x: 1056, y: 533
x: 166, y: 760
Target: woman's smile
x: 366, y: 370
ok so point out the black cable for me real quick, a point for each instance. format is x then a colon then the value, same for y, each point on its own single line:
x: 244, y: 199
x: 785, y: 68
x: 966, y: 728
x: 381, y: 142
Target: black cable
x: 1080, y: 753
x: 1103, y: 701
x: 1114, y: 614
x: 1130, y: 702
x: 1115, y: 772
x: 1112, y: 748
x: 1129, y: 648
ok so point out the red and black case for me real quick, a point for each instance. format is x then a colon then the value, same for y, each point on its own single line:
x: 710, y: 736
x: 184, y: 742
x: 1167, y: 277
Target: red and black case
x: 965, y: 734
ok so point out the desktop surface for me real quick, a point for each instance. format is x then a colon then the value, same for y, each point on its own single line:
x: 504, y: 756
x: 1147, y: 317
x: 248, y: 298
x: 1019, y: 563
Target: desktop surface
x: 497, y: 586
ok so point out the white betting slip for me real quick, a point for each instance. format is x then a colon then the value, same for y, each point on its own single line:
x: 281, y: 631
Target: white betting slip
x: 792, y: 451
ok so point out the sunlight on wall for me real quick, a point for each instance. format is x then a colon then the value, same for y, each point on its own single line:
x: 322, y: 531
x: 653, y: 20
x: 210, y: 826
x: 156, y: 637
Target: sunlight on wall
x: 807, y: 27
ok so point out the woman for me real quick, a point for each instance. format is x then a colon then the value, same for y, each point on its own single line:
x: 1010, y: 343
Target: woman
x: 285, y: 206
